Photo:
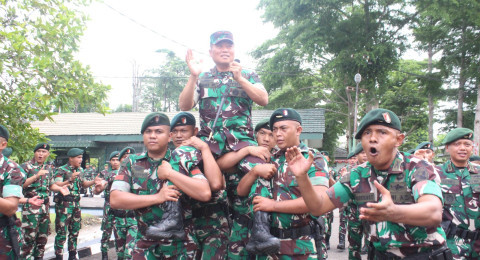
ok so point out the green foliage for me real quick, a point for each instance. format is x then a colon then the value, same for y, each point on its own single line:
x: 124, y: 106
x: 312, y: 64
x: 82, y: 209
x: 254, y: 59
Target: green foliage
x: 123, y: 108
x: 40, y: 75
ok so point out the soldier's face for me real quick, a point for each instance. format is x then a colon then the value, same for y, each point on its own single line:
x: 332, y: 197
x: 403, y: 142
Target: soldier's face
x: 362, y: 157
x: 380, y: 144
x: 222, y: 53
x: 287, y: 133
x: 76, y: 161
x: 460, y: 151
x: 425, y: 154
x: 182, y: 133
x: 41, y: 155
x: 155, y: 138
x: 115, y: 163
x: 3, y: 143
x: 265, y: 138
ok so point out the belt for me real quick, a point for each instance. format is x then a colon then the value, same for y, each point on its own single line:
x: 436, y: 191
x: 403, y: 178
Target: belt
x: 467, y: 234
x: 71, y: 198
x: 242, y: 219
x: 441, y: 253
x: 293, y: 233
x: 122, y: 213
x: 208, y: 210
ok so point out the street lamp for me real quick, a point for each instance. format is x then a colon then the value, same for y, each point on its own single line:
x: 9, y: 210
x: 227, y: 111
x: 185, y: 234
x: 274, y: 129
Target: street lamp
x: 357, y: 79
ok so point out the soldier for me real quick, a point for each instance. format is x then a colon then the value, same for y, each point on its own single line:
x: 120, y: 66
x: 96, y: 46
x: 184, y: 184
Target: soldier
x: 399, y: 195
x: 475, y: 159
x: 125, y: 223
x: 67, y: 208
x: 89, y: 175
x: 141, y: 185
x: 36, y: 204
x: 103, y: 182
x: 297, y: 230
x: 460, y: 182
x: 12, y: 178
x: 425, y: 151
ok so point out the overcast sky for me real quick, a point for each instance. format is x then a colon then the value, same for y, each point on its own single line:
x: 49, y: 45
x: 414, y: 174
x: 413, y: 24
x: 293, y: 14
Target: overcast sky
x: 123, y: 31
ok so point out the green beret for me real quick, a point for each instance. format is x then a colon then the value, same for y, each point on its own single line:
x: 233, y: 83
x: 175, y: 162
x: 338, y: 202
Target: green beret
x: 282, y: 114
x: 325, y: 153
x: 472, y: 158
x: 181, y: 119
x: 358, y: 149
x: 458, y: 133
x: 44, y: 146
x: 74, y: 152
x: 378, y: 116
x: 219, y: 36
x: 126, y: 150
x: 7, y: 152
x: 4, y: 132
x: 424, y: 145
x: 264, y: 123
x: 154, y: 119
x: 411, y: 151
x: 113, y: 155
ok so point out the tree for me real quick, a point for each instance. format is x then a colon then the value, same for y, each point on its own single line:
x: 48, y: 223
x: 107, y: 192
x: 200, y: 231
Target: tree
x: 38, y: 71
x: 123, y: 108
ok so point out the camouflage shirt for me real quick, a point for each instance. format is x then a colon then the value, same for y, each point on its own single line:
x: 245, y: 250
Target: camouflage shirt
x: 108, y: 176
x: 64, y: 173
x: 89, y: 173
x: 407, y: 179
x: 233, y: 129
x: 41, y: 186
x: 285, y: 188
x: 12, y: 178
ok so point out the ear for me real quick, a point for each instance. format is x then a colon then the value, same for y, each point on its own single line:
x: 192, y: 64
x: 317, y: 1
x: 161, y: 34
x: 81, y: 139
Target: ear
x: 195, y: 131
x: 446, y: 149
x: 400, y: 137
x: 3, y: 144
x: 299, y: 130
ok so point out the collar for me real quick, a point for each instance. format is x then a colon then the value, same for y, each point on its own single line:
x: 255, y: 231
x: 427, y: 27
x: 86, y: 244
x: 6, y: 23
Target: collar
x: 397, y: 166
x: 470, y: 167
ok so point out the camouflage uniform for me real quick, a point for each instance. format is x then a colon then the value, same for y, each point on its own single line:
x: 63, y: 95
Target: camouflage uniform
x: 126, y: 232
x: 108, y: 220
x: 138, y: 175
x: 36, y: 222
x: 89, y: 176
x: 12, y: 178
x: 461, y: 188
x: 407, y: 179
x: 68, y: 212
x: 285, y: 188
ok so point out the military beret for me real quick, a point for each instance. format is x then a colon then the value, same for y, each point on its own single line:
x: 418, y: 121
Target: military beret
x: 113, y: 155
x: 154, y: 119
x: 4, y: 132
x: 126, y: 150
x: 7, y: 152
x: 378, y: 116
x: 44, y: 146
x: 411, y: 151
x: 424, y: 145
x: 264, y: 123
x: 472, y: 158
x: 74, y: 152
x: 219, y: 36
x: 324, y: 153
x: 181, y: 119
x: 358, y: 149
x: 458, y: 133
x: 282, y: 114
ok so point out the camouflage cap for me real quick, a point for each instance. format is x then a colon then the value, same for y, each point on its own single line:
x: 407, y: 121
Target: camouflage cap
x: 4, y: 132
x: 264, y: 123
x: 378, y: 116
x: 458, y: 133
x: 282, y: 114
x: 424, y: 145
x: 113, y: 155
x: 181, y: 119
x: 219, y: 36
x: 358, y: 149
x: 126, y: 150
x: 7, y: 152
x: 154, y: 119
x: 44, y: 146
x: 74, y: 152
x: 472, y: 158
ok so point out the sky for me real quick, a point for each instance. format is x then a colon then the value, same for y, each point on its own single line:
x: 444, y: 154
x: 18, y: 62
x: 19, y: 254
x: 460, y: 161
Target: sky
x: 123, y: 32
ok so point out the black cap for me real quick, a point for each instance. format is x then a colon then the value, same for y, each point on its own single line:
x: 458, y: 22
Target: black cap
x: 181, y: 119
x: 126, y: 150
x: 264, y: 123
x: 154, y: 119
x: 113, y: 155
x: 44, y: 146
x: 283, y: 114
x: 4, y: 132
x: 424, y: 145
x: 74, y: 152
x: 378, y: 116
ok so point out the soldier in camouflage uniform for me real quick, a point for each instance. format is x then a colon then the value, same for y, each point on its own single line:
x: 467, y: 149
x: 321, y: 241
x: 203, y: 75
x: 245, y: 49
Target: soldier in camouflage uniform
x: 103, y: 182
x: 36, y: 204
x: 399, y: 195
x: 460, y: 182
x: 475, y: 159
x: 67, y: 208
x: 89, y: 174
x: 424, y: 150
x: 12, y: 178
x: 297, y: 230
x: 141, y: 185
x: 125, y: 222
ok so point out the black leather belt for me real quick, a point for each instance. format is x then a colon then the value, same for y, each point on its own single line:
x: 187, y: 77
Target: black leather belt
x: 119, y: 213
x: 440, y: 253
x: 71, y: 198
x: 208, y: 210
x: 293, y: 233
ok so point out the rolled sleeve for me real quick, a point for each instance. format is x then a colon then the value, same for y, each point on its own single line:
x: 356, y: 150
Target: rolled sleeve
x: 427, y: 187
x: 319, y: 181
x: 339, y: 194
x: 121, y: 186
x: 12, y: 191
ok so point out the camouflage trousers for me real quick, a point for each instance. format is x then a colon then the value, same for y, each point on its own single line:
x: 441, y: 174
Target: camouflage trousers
x: 211, y: 235
x: 6, y: 247
x: 355, y: 233
x: 108, y: 225
x: 464, y: 248
x: 35, y: 225
x: 342, y: 212
x: 164, y: 249
x: 68, y: 218
x: 126, y: 229
x: 328, y: 225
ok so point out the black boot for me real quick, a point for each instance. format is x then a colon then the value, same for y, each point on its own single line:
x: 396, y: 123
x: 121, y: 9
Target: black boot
x: 104, y: 255
x: 72, y: 255
x: 171, y: 224
x: 261, y: 241
x: 327, y: 241
x: 341, y: 242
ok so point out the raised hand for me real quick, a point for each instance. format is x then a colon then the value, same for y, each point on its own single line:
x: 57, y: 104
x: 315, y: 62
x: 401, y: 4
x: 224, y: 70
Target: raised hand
x: 298, y: 164
x: 195, y: 66
x: 381, y: 211
x: 236, y: 69
x: 195, y: 142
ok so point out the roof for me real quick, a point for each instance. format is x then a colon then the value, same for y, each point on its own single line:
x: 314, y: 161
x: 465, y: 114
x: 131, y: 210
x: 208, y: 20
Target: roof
x: 128, y: 123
